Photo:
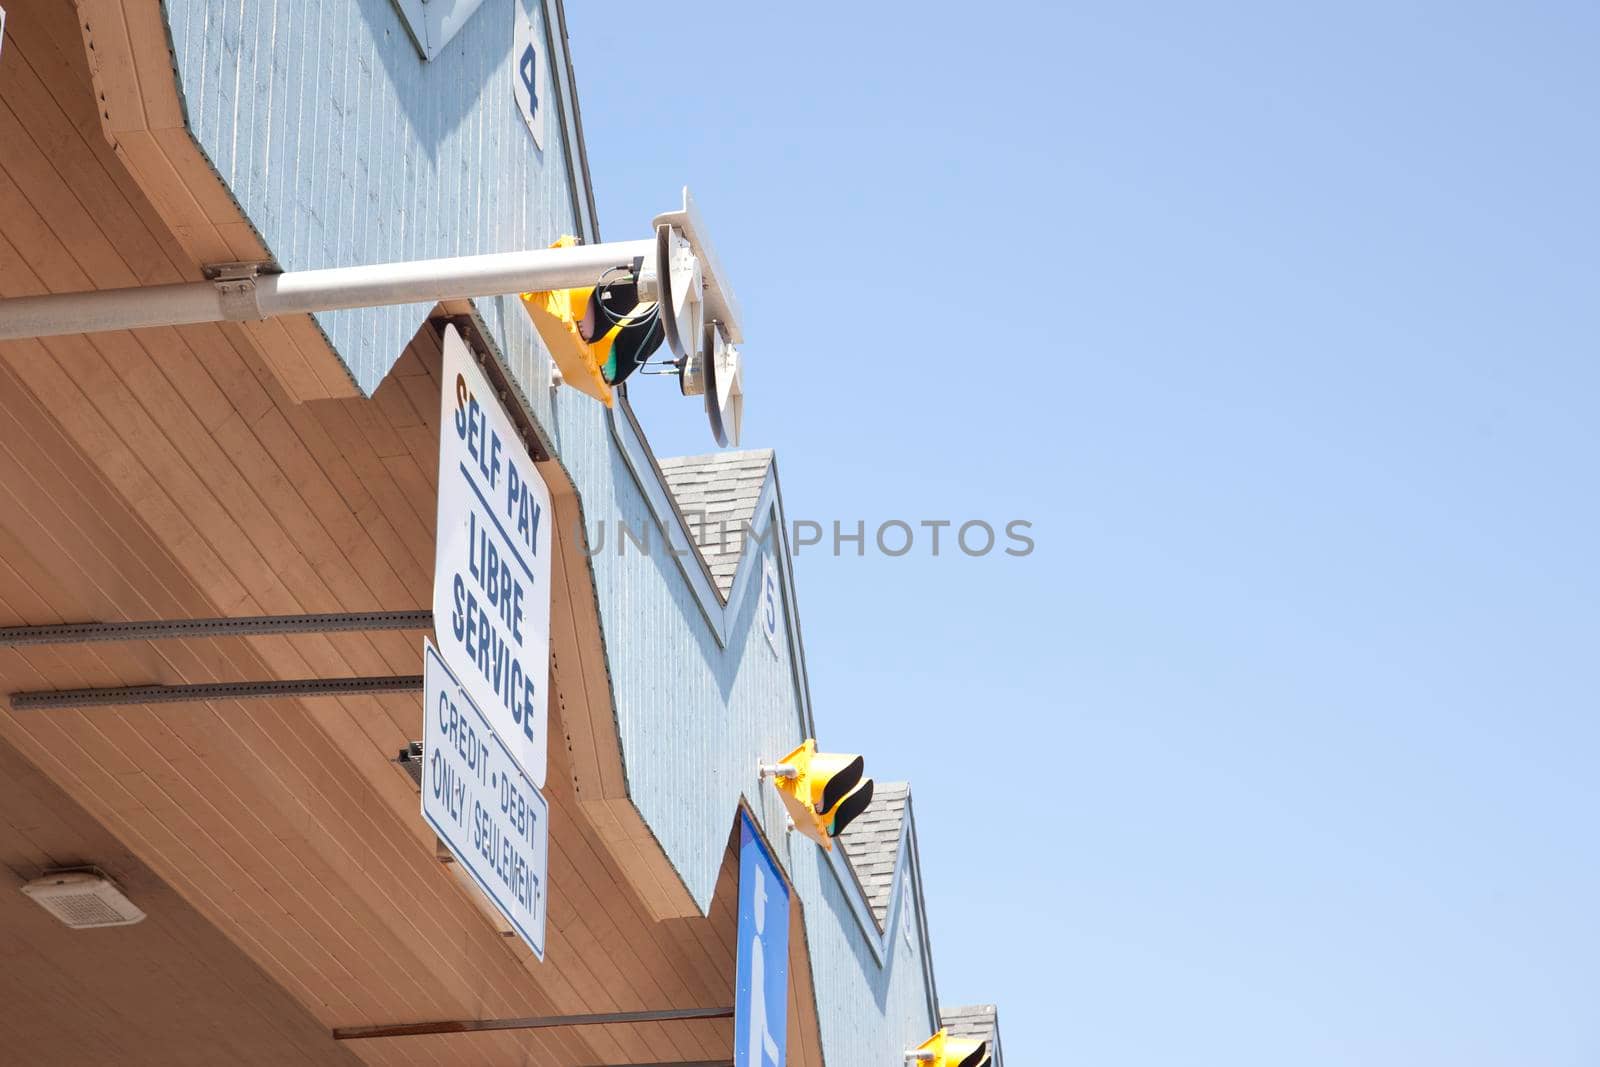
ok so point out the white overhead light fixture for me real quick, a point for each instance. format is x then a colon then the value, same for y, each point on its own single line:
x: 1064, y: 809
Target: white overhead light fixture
x: 83, y: 898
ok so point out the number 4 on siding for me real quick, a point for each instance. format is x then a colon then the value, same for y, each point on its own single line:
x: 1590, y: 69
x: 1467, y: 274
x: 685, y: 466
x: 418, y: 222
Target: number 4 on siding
x: 527, y: 74
x: 769, y: 609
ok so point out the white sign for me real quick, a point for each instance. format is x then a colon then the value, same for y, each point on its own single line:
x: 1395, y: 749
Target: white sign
x: 491, y: 573
x: 770, y: 607
x: 528, y: 70
x: 481, y: 805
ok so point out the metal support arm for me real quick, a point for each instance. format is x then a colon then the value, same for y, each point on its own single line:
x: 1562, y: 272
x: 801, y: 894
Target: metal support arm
x: 233, y: 297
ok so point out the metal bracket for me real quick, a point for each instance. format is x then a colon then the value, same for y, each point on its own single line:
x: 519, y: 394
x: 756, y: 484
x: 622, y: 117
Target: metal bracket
x: 238, y: 271
x: 167, y: 629
x: 45, y: 699
x: 410, y: 761
x: 69, y: 633
x: 236, y: 289
x: 238, y: 300
x: 470, y: 1026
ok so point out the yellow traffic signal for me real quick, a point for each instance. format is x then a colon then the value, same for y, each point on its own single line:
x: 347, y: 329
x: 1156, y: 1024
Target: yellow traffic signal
x: 824, y: 791
x: 597, y: 335
x: 942, y: 1050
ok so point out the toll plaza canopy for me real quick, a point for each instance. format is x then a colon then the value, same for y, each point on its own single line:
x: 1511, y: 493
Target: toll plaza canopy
x: 266, y: 823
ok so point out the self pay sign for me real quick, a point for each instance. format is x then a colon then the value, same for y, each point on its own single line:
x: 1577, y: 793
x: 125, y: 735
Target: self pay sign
x: 491, y: 580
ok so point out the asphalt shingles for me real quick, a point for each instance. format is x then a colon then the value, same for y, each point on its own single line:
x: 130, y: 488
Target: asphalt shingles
x: 717, y: 494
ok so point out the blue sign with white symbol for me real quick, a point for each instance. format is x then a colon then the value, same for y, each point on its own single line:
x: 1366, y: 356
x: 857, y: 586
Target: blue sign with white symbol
x: 761, y: 990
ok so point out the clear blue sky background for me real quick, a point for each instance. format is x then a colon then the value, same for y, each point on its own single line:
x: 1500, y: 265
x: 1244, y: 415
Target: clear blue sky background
x: 1279, y: 321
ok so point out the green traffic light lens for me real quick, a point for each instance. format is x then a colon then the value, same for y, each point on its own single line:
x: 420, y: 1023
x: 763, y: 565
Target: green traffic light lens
x: 850, y: 807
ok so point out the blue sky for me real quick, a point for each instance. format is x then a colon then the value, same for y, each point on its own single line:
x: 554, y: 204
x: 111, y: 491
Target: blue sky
x: 1279, y: 324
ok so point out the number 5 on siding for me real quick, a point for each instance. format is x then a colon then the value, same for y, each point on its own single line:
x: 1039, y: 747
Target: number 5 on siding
x: 769, y: 604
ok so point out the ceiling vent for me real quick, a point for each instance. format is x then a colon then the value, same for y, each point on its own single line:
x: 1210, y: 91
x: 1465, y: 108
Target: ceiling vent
x: 83, y: 898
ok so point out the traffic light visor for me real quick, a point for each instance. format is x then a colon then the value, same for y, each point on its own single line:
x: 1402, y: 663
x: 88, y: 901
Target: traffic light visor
x: 976, y: 1058
x: 854, y: 803
x: 837, y: 774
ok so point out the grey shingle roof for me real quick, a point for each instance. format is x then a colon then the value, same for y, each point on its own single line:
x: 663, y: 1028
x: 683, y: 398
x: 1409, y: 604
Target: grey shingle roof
x: 717, y: 495
x: 873, y: 843
x: 981, y: 1021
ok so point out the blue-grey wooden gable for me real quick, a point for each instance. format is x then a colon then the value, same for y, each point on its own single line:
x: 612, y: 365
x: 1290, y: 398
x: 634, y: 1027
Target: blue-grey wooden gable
x: 687, y: 699
x: 343, y: 147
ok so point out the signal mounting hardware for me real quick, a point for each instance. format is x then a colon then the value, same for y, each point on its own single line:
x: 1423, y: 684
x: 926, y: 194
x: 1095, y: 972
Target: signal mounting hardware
x: 823, y: 791
x: 942, y: 1050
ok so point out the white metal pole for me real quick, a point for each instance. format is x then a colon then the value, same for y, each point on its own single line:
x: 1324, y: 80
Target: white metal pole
x: 332, y: 289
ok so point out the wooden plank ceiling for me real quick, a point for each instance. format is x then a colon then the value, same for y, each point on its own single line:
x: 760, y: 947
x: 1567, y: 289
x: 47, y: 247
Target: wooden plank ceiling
x: 171, y: 990
x: 170, y: 473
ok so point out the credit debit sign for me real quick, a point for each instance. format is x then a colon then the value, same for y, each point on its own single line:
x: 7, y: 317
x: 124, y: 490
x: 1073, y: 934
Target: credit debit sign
x: 491, y: 577
x: 485, y: 810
